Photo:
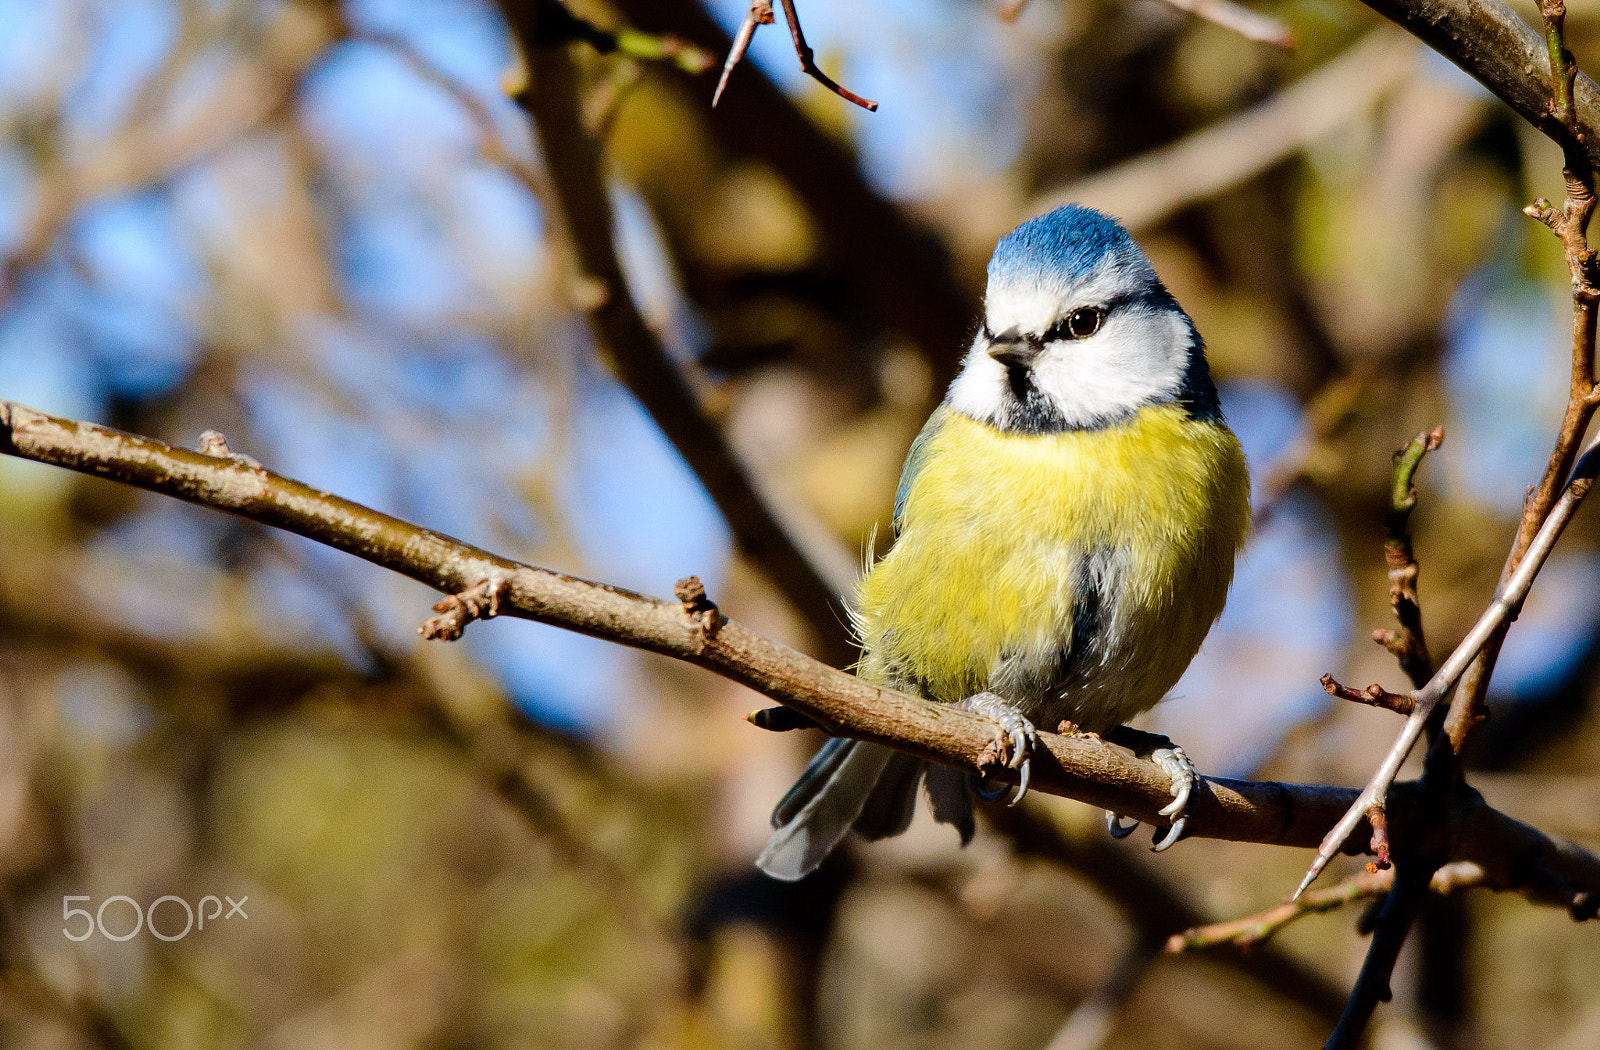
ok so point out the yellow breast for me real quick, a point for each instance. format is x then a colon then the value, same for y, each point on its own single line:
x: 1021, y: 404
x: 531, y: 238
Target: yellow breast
x: 994, y: 537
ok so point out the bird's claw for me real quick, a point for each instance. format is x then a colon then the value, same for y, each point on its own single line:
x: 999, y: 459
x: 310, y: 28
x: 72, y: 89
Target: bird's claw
x: 1177, y: 765
x: 1015, y: 738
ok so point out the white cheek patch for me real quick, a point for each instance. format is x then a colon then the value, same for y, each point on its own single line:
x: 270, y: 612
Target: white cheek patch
x: 1138, y: 357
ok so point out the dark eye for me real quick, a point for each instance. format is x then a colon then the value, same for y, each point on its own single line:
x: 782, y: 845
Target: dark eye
x: 1085, y: 321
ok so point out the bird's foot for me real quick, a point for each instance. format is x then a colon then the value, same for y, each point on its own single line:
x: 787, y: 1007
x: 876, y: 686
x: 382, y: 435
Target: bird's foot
x: 1172, y: 760
x: 1014, y: 739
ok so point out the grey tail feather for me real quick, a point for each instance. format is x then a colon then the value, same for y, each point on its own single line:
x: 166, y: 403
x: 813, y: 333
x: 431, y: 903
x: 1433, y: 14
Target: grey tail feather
x: 818, y: 770
x: 950, y: 797
x: 893, y: 802
x: 819, y: 810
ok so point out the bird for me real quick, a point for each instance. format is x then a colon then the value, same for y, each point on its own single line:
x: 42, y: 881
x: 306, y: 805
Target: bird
x: 1066, y: 526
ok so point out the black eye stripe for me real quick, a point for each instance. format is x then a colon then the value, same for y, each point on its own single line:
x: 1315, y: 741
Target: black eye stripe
x: 1079, y: 324
x: 1063, y: 328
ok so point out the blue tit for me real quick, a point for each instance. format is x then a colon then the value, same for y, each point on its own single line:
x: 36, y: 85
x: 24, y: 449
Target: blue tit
x: 1065, y: 533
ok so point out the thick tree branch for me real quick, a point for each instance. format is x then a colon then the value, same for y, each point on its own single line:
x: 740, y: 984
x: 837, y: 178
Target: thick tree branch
x: 1513, y: 855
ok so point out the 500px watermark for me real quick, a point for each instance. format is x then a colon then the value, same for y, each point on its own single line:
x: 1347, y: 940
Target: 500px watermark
x: 146, y: 917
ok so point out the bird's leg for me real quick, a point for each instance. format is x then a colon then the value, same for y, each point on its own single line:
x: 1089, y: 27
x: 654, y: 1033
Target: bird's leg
x: 1014, y: 738
x: 1170, y: 757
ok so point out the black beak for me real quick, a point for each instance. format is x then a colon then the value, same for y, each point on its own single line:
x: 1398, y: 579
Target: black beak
x: 1012, y: 349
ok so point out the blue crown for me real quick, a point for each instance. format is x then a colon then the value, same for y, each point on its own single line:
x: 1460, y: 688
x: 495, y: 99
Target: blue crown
x: 1066, y: 244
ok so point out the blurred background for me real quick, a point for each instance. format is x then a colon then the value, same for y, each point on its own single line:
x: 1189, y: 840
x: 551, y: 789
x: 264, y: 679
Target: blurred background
x: 326, y: 231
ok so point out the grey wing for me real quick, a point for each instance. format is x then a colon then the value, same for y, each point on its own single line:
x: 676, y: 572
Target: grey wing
x: 916, y: 458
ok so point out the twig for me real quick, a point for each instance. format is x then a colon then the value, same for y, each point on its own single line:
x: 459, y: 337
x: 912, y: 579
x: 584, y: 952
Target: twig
x: 1247, y: 23
x: 1563, y: 70
x: 1513, y: 855
x: 893, y: 262
x: 666, y: 48
x: 1388, y: 936
x: 1508, y: 600
x: 584, y: 211
x: 1253, y: 930
x: 481, y: 601
x: 1378, y: 820
x: 760, y: 14
x: 808, y: 64
x: 1544, y: 515
x: 1408, y: 644
x: 1373, y: 696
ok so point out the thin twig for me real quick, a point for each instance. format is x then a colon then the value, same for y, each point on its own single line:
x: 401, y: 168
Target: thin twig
x: 1253, y: 930
x: 478, y: 602
x: 1545, y: 513
x: 1408, y: 644
x: 1502, y: 610
x: 760, y: 14
x: 1388, y: 936
x: 808, y: 63
x: 1513, y: 855
x: 1373, y: 696
x: 895, y: 265
x: 1564, y: 71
